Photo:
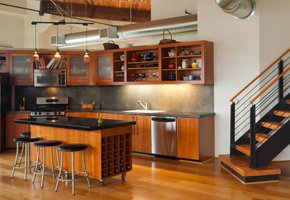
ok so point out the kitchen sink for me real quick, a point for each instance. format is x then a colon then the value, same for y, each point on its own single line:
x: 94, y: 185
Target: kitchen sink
x: 143, y: 111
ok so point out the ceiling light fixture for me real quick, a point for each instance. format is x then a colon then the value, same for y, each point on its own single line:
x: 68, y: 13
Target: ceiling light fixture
x: 57, y: 55
x: 35, y: 55
x: 87, y: 55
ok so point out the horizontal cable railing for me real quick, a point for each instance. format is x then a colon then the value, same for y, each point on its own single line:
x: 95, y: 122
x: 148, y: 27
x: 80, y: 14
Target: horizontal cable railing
x: 241, y: 110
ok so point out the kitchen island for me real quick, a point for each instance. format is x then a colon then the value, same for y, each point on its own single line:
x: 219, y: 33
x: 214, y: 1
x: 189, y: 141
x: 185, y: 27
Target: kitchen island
x: 110, y: 143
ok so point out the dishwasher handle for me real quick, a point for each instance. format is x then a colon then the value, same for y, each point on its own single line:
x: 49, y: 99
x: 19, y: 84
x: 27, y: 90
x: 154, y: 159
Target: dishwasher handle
x: 163, y: 119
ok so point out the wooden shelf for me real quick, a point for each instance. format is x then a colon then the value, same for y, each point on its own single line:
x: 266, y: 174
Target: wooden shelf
x: 169, y: 57
x: 143, y: 62
x: 118, y: 72
x: 168, y: 69
x: 143, y: 68
x: 190, y: 56
x: 186, y: 69
x: 118, y: 61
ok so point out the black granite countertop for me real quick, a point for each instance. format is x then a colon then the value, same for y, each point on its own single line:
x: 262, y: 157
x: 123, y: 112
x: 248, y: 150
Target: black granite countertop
x: 87, y: 124
x: 161, y: 114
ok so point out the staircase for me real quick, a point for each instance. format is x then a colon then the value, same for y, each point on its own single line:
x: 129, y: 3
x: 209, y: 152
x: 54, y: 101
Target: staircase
x: 260, y: 124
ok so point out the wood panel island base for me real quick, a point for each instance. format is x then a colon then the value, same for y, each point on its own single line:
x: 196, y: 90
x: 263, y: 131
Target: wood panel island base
x: 110, y: 144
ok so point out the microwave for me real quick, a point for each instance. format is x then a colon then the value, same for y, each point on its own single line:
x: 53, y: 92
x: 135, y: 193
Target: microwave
x: 48, y: 78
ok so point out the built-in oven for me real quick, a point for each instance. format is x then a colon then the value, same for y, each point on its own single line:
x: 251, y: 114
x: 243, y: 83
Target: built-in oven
x: 164, y: 136
x: 47, y: 78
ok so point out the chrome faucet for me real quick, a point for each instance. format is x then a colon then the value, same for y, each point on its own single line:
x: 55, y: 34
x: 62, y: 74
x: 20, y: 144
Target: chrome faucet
x: 144, y: 104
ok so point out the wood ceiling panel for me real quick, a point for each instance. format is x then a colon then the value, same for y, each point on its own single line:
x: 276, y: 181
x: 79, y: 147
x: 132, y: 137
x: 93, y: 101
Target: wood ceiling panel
x: 118, y: 10
x: 136, y: 4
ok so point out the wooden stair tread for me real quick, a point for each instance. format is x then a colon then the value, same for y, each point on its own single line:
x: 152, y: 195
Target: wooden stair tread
x: 282, y: 113
x: 262, y: 137
x: 240, y: 164
x: 272, y: 125
x: 244, y: 148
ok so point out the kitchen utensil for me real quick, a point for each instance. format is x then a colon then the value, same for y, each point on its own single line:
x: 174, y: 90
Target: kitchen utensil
x: 186, y: 78
x: 172, y: 77
x: 122, y: 57
x: 167, y: 41
x: 171, y: 53
x: 149, y: 56
x: 110, y: 45
x: 88, y: 105
x: 134, y: 57
x: 122, y: 67
x: 184, y: 63
x: 171, y: 65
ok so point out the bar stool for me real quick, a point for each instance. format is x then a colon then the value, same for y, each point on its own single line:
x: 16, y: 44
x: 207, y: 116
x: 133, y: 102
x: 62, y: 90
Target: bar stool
x: 72, y: 148
x: 24, y: 134
x: 17, y: 165
x: 44, y: 144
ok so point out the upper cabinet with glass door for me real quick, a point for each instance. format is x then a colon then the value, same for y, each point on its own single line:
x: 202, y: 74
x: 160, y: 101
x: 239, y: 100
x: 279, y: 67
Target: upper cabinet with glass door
x: 78, y: 72
x: 4, y: 62
x: 104, y: 68
x: 21, y: 69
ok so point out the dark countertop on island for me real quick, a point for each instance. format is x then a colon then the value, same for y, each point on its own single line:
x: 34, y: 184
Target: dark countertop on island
x: 161, y: 114
x: 86, y: 124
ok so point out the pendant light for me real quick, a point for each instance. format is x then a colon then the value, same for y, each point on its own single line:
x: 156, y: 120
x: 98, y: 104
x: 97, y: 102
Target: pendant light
x: 57, y: 55
x: 35, y: 55
x: 87, y: 55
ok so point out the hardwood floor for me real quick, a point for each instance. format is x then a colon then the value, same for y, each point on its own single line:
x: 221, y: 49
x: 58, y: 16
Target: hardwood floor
x: 152, y: 179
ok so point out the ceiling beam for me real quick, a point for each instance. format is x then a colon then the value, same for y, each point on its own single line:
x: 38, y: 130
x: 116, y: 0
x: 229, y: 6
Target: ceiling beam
x: 102, y: 12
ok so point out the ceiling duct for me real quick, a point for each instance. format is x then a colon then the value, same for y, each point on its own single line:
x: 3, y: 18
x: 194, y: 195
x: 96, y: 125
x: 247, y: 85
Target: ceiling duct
x: 138, y: 30
x: 242, y: 9
x: 145, y: 29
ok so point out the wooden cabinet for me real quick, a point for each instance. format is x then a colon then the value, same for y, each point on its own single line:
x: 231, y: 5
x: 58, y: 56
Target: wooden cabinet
x: 4, y: 63
x: 83, y: 114
x: 195, y: 138
x: 78, y: 71
x: 104, y: 68
x: 21, y: 68
x: 142, y: 135
x: 13, y: 130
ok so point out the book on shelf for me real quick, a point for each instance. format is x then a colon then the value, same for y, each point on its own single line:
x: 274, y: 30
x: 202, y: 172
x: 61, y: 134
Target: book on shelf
x: 50, y: 63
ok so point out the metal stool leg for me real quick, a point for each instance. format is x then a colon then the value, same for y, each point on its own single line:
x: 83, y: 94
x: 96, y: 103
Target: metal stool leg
x: 15, y: 161
x: 43, y: 167
x: 29, y: 159
x: 36, y: 166
x: 85, y: 169
x: 60, y: 171
x: 51, y: 160
x: 21, y: 155
x: 72, y: 173
x: 25, y: 165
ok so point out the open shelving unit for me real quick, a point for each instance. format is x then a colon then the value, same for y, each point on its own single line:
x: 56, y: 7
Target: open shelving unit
x: 145, y: 67
x: 119, y: 66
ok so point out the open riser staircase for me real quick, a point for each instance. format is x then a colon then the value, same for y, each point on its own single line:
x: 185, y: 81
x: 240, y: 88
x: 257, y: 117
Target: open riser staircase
x: 260, y: 122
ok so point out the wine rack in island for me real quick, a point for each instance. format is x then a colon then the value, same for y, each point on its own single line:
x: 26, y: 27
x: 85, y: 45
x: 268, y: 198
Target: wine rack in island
x: 116, y: 155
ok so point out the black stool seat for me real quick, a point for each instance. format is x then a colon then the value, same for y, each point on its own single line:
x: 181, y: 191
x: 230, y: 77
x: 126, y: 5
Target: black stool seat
x: 47, y: 143
x: 27, y: 139
x: 25, y: 134
x: 72, y: 147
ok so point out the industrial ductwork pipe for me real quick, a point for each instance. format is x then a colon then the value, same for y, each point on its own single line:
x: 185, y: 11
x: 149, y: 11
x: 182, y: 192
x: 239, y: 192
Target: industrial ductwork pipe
x: 242, y: 9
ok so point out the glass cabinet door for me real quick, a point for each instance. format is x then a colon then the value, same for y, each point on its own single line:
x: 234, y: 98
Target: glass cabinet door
x: 21, y: 66
x: 104, y: 67
x: 78, y: 68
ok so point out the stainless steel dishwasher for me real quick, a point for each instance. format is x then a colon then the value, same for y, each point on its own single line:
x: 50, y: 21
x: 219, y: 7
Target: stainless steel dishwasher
x: 164, y: 136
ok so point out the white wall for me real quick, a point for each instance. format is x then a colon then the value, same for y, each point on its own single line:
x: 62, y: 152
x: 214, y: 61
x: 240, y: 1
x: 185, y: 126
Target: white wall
x: 161, y: 9
x: 12, y: 29
x: 242, y: 50
x: 236, y: 62
x: 274, y: 38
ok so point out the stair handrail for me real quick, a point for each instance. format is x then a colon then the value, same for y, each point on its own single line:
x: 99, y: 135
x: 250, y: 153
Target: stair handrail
x: 269, y: 85
x: 257, y: 77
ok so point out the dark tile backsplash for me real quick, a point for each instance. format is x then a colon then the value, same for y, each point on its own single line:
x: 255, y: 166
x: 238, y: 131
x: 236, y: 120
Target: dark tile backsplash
x: 183, y: 98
